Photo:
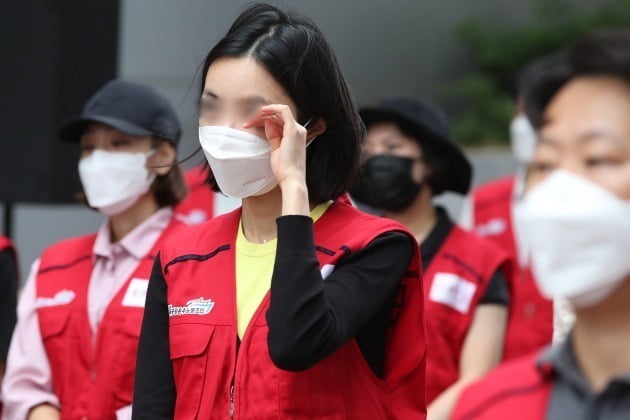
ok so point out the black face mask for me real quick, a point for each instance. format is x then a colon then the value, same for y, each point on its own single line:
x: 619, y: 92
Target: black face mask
x: 386, y: 183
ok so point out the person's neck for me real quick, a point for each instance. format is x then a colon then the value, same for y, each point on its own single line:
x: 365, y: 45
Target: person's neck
x: 420, y: 217
x: 123, y: 223
x: 601, y: 337
x: 259, y: 216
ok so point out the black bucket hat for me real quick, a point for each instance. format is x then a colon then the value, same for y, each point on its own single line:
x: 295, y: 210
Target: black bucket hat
x: 133, y: 108
x: 428, y: 125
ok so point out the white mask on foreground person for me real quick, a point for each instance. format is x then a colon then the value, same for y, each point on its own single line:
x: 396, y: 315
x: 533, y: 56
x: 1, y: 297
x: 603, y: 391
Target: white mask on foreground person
x: 578, y: 236
x: 240, y: 161
x: 113, y: 181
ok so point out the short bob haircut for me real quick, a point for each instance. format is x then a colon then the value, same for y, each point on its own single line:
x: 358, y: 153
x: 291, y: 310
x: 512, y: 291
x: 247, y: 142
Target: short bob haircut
x: 292, y: 49
x: 600, y: 53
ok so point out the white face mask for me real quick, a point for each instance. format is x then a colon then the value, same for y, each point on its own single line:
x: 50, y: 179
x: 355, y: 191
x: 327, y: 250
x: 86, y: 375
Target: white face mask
x: 240, y: 161
x: 523, y: 139
x: 113, y: 181
x: 578, y: 236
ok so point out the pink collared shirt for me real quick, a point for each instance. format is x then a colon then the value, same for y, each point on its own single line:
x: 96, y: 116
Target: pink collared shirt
x: 28, y: 380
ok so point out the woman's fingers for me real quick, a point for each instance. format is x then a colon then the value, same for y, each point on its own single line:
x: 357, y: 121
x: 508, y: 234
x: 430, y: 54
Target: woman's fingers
x: 267, y: 111
x: 279, y: 123
x: 273, y: 132
x: 291, y: 129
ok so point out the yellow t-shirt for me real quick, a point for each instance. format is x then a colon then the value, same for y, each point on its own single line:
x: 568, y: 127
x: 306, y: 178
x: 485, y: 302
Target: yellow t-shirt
x: 254, y: 267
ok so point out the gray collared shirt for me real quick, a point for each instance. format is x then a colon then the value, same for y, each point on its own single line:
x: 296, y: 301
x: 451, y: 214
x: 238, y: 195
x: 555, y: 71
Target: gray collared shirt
x: 571, y: 396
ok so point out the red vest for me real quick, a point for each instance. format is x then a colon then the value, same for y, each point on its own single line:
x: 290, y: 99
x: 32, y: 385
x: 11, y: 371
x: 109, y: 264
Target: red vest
x: 517, y: 390
x: 530, y: 325
x: 455, y: 281
x: 215, y: 379
x: 5, y: 243
x: 198, y: 205
x: 92, y: 376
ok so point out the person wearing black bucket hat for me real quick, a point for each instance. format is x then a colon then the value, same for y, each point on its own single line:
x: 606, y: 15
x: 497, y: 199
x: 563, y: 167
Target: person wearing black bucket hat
x: 73, y: 353
x: 409, y: 159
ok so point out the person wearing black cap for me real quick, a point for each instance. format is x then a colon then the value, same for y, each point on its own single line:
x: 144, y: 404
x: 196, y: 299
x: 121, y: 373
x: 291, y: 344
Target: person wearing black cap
x: 74, y: 350
x: 410, y: 159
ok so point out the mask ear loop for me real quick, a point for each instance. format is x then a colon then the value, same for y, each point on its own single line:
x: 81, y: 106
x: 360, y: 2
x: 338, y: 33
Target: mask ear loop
x: 305, y: 125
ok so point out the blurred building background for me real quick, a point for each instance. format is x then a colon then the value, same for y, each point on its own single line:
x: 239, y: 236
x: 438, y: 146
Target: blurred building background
x: 401, y: 47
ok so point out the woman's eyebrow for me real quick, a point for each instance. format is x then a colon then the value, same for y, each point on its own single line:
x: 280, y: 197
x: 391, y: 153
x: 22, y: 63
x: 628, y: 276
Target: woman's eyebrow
x: 246, y: 100
x: 255, y: 100
x: 207, y: 92
x: 597, y: 134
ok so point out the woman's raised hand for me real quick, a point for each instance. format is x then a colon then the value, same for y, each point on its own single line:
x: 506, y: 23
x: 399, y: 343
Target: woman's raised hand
x: 287, y: 139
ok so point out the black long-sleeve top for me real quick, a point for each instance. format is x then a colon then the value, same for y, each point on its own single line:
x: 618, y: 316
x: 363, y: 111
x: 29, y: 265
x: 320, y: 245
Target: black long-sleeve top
x: 308, y: 318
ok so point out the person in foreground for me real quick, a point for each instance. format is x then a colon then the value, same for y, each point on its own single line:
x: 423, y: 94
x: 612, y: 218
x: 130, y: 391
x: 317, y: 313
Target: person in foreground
x: 576, y: 215
x: 296, y: 305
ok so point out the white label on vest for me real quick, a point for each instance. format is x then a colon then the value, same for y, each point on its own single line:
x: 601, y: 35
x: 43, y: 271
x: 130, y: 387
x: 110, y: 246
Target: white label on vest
x: 327, y: 270
x: 194, y: 217
x: 453, y: 291
x: 492, y: 227
x: 62, y: 297
x: 136, y: 293
x: 199, y: 306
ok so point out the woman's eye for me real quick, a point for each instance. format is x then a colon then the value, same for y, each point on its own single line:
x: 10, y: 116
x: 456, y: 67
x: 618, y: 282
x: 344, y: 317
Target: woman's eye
x: 208, y: 107
x: 250, y: 110
x: 599, y: 161
x: 541, y: 167
x: 86, y: 148
x: 120, y: 143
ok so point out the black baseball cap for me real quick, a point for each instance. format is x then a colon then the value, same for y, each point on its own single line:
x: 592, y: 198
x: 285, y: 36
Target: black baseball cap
x: 428, y: 125
x: 133, y: 108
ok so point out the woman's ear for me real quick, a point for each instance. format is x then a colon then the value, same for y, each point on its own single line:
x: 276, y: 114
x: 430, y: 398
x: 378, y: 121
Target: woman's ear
x: 164, y: 158
x: 315, y: 128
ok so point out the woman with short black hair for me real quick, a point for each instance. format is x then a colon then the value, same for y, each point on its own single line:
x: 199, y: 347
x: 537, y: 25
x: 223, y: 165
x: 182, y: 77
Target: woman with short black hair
x: 296, y: 305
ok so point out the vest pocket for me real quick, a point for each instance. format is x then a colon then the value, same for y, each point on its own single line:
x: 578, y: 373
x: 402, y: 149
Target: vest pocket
x: 53, y: 325
x: 124, y: 365
x: 52, y: 322
x: 188, y: 344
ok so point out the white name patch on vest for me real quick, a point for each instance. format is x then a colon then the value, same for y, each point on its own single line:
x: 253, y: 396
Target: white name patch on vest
x: 492, y: 228
x: 62, y: 297
x: 194, y: 217
x: 453, y: 291
x: 199, y: 306
x: 327, y: 270
x: 136, y: 293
